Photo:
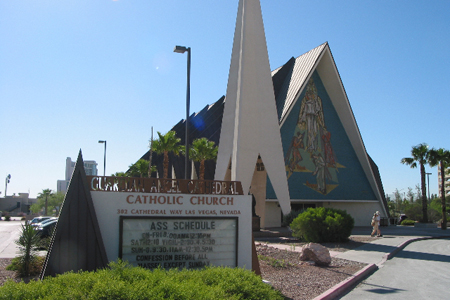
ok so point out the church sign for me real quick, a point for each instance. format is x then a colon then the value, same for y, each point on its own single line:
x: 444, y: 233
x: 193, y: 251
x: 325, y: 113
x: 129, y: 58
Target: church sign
x: 173, y: 223
x: 178, y: 242
x: 150, y: 222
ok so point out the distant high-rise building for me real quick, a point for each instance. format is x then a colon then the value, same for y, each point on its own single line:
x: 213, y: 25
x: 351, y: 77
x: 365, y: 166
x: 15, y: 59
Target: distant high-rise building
x: 447, y: 181
x: 90, y: 166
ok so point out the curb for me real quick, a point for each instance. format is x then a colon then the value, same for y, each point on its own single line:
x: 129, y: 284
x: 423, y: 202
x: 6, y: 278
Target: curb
x: 400, y: 247
x: 406, y: 243
x: 345, y: 285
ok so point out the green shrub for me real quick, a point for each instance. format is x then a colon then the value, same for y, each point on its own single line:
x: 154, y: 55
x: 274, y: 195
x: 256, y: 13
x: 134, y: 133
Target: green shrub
x: 7, y: 218
x: 408, y: 222
x: 274, y: 262
x: 34, y: 267
x: 320, y: 225
x: 28, y: 243
x: 288, y: 218
x: 121, y: 281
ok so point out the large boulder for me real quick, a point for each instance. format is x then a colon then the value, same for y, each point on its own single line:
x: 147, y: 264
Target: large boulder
x: 317, y: 253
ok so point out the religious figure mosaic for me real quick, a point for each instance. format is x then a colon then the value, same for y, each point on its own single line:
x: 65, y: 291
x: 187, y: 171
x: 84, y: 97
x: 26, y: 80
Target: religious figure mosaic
x: 311, y: 149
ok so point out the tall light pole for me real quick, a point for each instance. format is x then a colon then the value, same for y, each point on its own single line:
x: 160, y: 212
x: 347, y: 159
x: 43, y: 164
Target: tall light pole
x: 428, y: 177
x: 7, y: 179
x: 104, y: 158
x: 182, y: 49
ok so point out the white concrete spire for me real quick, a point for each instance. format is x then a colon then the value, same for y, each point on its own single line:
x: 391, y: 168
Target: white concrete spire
x: 250, y: 122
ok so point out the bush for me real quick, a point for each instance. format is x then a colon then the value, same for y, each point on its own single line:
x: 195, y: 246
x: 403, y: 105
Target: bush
x: 7, y: 218
x: 321, y: 225
x: 121, y: 281
x: 35, y: 266
x: 288, y: 218
x: 28, y: 242
x: 408, y: 222
x: 414, y: 211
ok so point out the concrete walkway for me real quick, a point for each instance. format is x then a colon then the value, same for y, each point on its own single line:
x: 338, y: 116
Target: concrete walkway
x: 394, y: 239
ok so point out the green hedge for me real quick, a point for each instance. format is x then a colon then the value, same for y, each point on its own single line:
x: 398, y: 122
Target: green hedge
x: 408, y: 222
x: 121, y: 281
x: 288, y: 218
x: 321, y: 225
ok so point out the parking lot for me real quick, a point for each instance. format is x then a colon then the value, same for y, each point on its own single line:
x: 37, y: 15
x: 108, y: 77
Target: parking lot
x: 9, y: 233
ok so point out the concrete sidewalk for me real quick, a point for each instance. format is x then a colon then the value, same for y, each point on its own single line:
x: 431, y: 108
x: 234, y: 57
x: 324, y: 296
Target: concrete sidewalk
x: 394, y: 239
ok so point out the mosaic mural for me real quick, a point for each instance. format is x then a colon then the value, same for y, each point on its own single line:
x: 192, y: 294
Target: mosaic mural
x: 311, y: 149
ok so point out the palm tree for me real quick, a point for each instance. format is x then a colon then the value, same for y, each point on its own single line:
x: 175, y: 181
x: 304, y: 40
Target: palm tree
x: 202, y: 149
x: 139, y: 168
x: 420, y: 154
x: 164, y: 145
x: 441, y: 157
x: 151, y: 168
x: 119, y: 174
x: 45, y: 194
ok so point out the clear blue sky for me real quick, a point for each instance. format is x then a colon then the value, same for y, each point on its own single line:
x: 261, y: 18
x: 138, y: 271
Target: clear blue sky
x: 77, y: 71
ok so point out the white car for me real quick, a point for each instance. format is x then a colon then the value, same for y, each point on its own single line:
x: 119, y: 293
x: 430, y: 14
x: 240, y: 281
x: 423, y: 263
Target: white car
x: 36, y: 225
x: 39, y: 220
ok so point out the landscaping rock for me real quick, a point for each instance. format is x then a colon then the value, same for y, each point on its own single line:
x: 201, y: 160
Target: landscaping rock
x: 317, y: 253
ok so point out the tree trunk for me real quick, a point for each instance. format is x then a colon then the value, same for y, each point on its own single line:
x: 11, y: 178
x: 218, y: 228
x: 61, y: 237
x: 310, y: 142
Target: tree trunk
x: 444, y: 209
x: 424, y: 194
x: 202, y: 170
x: 166, y: 164
x: 46, y: 205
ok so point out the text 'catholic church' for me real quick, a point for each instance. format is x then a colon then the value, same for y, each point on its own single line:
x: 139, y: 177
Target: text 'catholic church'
x: 292, y: 141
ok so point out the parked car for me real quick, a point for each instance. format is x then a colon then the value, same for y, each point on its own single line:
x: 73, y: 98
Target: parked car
x: 46, y: 229
x: 401, y: 218
x: 35, y: 225
x: 39, y: 220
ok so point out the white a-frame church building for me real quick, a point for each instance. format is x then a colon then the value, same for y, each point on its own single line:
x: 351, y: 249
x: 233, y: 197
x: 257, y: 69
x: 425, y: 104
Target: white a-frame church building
x: 289, y: 135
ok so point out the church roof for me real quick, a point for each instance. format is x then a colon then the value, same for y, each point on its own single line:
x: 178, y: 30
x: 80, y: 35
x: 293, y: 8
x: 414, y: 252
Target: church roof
x: 295, y: 74
x: 289, y: 82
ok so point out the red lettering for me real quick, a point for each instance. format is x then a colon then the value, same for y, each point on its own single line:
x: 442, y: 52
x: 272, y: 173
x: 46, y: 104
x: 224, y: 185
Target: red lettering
x: 128, y: 199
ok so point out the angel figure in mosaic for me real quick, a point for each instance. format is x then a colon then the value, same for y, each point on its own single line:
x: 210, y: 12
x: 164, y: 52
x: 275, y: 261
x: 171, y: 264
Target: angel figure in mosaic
x: 294, y: 155
x: 321, y: 172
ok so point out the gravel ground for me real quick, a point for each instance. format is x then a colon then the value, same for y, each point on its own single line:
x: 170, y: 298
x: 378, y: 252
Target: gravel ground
x: 301, y: 280
x: 283, y: 269
x: 5, y: 274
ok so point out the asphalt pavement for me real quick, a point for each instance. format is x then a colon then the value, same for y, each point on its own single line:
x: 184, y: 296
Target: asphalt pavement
x: 394, y: 239
x: 419, y: 271
x: 9, y: 233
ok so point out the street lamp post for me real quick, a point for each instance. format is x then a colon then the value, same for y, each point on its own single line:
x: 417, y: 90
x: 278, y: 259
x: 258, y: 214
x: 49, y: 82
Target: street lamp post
x: 182, y: 49
x: 428, y: 177
x: 6, y: 182
x: 104, y: 158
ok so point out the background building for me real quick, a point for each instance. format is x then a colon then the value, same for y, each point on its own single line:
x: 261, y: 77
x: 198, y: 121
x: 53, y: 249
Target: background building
x: 90, y: 166
x: 16, y: 203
